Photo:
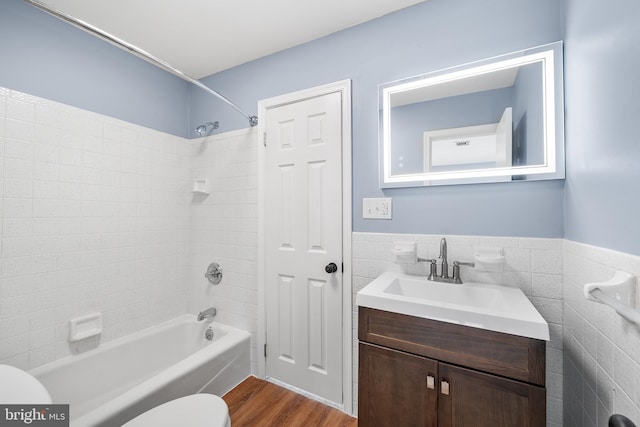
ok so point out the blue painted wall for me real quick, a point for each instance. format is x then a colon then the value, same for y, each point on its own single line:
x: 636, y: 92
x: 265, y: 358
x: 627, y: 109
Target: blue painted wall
x: 427, y: 37
x: 49, y: 58
x: 602, y: 100
x: 410, y: 122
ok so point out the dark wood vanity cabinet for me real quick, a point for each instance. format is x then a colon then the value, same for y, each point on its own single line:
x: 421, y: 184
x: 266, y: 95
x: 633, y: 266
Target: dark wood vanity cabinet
x: 392, y: 388
x: 420, y: 372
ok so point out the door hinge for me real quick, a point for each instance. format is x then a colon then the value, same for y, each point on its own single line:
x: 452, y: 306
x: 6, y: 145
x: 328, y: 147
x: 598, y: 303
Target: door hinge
x: 264, y: 139
x: 265, y: 351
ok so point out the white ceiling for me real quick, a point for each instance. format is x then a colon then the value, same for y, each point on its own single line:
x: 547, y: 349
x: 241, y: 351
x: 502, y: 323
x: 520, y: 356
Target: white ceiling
x: 203, y: 37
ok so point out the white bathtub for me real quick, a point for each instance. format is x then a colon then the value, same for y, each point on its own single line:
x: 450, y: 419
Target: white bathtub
x: 123, y: 378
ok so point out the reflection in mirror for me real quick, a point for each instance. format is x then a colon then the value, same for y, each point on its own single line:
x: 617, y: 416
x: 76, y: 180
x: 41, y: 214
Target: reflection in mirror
x: 497, y: 120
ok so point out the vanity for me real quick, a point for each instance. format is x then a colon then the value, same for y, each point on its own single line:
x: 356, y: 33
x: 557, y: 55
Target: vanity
x: 438, y: 354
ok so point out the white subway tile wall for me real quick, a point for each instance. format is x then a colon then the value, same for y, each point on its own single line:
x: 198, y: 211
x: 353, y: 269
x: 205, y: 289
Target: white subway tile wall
x: 533, y: 265
x: 224, y: 229
x: 94, y: 216
x: 601, y: 348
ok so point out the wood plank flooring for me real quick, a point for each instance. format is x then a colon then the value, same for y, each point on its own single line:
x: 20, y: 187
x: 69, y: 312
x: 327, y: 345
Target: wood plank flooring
x: 258, y: 403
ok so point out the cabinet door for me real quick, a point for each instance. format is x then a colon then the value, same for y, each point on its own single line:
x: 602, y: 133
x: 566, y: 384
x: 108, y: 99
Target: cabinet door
x: 396, y: 388
x: 483, y: 400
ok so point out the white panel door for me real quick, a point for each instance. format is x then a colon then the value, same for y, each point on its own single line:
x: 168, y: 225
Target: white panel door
x: 303, y: 235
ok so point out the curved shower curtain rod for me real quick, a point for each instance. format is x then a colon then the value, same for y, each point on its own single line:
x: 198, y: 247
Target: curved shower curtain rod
x: 253, y: 120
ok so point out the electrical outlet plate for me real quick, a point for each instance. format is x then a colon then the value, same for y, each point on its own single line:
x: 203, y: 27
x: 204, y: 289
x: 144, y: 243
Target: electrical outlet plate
x: 379, y: 208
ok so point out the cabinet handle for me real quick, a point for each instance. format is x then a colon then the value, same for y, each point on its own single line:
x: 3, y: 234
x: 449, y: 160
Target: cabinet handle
x: 444, y: 387
x: 431, y: 382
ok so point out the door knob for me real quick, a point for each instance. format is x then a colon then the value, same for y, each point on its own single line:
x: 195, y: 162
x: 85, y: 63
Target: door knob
x: 331, y: 268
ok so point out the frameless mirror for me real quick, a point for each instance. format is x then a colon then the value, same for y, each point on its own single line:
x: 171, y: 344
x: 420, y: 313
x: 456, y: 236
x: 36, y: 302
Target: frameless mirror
x: 497, y: 120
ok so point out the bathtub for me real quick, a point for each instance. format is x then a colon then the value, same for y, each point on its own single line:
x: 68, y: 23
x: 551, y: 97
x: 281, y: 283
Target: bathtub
x: 121, y: 379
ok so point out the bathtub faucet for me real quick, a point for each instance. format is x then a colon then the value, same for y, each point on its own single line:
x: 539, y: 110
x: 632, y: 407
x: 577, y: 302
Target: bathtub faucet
x: 207, y: 314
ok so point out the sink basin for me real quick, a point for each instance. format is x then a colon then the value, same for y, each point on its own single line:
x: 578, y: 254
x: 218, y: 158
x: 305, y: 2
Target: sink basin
x: 479, y: 305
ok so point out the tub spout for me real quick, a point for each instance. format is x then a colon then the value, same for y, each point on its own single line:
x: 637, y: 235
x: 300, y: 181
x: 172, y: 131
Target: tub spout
x: 207, y: 314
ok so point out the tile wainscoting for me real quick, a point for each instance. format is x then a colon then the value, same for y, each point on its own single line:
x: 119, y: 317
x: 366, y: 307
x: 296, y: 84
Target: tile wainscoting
x: 593, y: 358
x: 601, y: 349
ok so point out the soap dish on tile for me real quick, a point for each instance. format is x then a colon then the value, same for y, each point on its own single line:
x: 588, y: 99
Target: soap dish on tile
x: 200, y: 186
x: 84, y: 327
x: 488, y: 258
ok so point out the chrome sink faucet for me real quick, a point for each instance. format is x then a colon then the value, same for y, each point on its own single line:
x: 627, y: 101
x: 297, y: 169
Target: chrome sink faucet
x: 444, y: 267
x: 444, y: 271
x: 209, y: 313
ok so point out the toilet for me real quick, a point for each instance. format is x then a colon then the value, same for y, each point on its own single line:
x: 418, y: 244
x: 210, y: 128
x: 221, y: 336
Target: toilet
x: 196, y: 410
x: 18, y: 386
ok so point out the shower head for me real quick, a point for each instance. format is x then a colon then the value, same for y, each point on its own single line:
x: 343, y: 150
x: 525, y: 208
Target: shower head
x: 203, y: 130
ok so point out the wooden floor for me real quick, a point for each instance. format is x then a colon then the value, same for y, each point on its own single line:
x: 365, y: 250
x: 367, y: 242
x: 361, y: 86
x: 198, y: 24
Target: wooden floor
x: 256, y: 402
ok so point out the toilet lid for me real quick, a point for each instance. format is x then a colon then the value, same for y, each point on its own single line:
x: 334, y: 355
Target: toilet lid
x: 197, y: 410
x: 18, y: 386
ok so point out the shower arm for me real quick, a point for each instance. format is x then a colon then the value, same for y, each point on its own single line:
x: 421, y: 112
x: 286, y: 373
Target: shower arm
x: 253, y: 120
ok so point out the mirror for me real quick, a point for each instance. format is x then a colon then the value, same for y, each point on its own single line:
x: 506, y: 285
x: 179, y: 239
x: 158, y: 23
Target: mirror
x: 497, y: 120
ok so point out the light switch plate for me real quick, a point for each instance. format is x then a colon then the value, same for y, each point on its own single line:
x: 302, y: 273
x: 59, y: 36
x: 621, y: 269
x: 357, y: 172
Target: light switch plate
x: 376, y: 208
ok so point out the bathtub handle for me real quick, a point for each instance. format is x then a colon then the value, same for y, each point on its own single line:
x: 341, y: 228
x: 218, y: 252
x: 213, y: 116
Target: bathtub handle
x: 214, y: 273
